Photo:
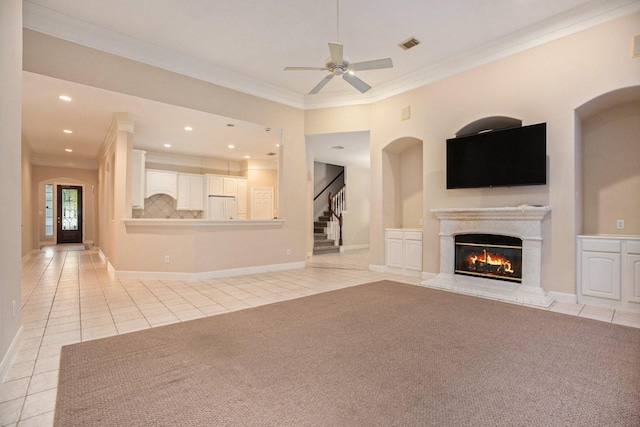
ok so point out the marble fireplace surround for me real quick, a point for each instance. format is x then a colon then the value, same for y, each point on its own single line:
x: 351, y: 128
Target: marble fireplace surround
x: 524, y: 222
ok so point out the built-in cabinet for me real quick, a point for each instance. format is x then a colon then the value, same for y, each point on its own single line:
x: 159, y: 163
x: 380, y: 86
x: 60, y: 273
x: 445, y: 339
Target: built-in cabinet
x: 403, y: 250
x: 190, y: 192
x: 608, y: 271
x: 161, y: 182
x: 138, y: 186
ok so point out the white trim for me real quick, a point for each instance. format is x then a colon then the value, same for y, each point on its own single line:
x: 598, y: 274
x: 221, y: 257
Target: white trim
x: 378, y: 268
x: 7, y: 360
x: 428, y: 276
x: 563, y: 297
x: 215, y: 274
x: 345, y: 248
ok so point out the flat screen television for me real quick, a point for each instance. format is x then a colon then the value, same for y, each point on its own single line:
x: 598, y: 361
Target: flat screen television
x: 499, y: 158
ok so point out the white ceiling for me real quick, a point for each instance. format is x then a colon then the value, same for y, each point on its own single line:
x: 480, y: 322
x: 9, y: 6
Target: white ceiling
x: 245, y: 44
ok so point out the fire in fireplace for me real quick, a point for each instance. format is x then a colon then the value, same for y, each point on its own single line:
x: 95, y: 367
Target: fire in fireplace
x: 490, y: 256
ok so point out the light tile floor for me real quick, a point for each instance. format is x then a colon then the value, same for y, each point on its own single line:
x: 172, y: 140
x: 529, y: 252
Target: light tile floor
x: 69, y: 296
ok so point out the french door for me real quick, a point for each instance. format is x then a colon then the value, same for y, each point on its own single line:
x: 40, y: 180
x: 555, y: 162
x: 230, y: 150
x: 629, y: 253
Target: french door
x: 69, y: 214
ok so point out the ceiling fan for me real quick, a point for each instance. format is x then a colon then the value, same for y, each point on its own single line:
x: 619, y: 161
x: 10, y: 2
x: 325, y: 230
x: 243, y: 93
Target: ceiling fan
x: 337, y: 65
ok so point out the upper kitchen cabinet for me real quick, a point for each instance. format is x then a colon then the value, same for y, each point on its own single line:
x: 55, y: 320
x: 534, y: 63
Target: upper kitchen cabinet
x: 190, y: 192
x: 161, y: 182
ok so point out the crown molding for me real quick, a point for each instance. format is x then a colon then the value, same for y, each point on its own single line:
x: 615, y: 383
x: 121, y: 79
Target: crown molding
x: 46, y: 21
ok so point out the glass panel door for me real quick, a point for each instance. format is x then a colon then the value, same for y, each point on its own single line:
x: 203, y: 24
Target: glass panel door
x: 69, y: 214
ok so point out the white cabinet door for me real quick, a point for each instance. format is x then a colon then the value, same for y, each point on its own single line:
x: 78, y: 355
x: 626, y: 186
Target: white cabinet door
x: 413, y: 255
x: 230, y: 187
x: 138, y: 186
x: 190, y: 192
x: 162, y: 182
x: 601, y: 274
x: 394, y: 253
x: 214, y: 186
x: 242, y: 198
x: 633, y: 277
x: 196, y: 193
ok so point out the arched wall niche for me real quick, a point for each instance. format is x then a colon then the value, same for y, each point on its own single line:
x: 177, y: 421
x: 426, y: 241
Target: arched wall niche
x: 488, y: 123
x: 402, y: 180
x: 608, y: 163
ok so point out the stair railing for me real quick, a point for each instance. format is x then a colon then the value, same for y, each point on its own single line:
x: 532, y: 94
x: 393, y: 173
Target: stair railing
x: 337, y: 205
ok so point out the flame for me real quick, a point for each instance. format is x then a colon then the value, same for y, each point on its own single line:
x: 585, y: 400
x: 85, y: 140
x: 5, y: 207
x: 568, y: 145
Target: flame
x: 495, y: 260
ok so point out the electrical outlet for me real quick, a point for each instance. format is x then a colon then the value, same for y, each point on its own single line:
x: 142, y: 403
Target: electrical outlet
x: 288, y: 252
x: 166, y: 259
x: 620, y: 224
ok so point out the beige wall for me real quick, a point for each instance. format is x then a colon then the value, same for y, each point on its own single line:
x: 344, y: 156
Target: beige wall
x: 545, y: 84
x: 611, y: 170
x: 130, y: 250
x: 356, y: 219
x: 28, y: 211
x: 10, y: 153
x: 411, y: 200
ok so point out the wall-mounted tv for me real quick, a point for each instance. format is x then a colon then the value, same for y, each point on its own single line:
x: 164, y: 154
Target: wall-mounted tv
x: 498, y: 158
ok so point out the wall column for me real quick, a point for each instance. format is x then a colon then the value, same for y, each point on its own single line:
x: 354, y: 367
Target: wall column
x: 10, y: 176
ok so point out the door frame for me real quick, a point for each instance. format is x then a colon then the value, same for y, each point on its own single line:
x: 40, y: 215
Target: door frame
x: 55, y: 208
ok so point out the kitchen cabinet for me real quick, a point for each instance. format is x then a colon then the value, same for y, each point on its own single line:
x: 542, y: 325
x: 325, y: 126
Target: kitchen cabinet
x: 229, y: 186
x: 242, y: 198
x: 161, y: 182
x: 403, y: 250
x: 190, y: 192
x: 608, y: 272
x: 138, y: 179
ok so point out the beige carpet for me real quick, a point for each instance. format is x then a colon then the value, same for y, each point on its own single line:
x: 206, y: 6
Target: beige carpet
x: 380, y: 354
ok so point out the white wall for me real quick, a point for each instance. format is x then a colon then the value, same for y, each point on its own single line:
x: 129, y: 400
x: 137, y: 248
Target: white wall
x: 10, y: 161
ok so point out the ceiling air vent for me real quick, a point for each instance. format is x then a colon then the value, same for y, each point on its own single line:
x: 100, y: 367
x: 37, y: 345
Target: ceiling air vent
x: 271, y: 154
x: 408, y: 44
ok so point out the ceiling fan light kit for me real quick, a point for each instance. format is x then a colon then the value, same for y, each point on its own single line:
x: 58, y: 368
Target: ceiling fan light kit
x: 336, y: 65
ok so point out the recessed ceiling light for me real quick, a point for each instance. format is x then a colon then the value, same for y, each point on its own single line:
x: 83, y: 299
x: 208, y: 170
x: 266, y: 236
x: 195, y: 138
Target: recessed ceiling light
x: 247, y: 157
x: 338, y: 147
x: 277, y: 145
x: 167, y: 145
x: 68, y: 150
x: 230, y: 125
x: 267, y: 129
x: 188, y: 128
x: 65, y: 98
x: 67, y: 131
x: 231, y: 146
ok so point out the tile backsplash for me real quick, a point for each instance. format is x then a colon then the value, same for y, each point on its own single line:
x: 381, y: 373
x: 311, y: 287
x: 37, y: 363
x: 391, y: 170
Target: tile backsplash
x: 163, y: 206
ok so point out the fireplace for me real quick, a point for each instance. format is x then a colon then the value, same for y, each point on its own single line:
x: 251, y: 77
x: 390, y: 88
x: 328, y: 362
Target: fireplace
x: 490, y: 256
x: 492, y: 252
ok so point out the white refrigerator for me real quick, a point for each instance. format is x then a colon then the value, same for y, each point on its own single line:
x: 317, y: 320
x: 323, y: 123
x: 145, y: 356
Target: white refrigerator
x: 223, y: 207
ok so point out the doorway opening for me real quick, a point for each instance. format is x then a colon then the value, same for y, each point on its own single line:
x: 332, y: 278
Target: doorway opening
x: 69, y: 214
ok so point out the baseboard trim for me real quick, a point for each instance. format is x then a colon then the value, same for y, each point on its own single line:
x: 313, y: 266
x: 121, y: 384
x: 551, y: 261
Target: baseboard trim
x: 7, y: 360
x: 216, y: 274
x: 563, y: 297
x: 353, y: 247
x: 378, y: 268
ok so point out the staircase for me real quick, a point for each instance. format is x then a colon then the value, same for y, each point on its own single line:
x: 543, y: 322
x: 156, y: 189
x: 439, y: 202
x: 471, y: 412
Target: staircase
x: 321, y: 244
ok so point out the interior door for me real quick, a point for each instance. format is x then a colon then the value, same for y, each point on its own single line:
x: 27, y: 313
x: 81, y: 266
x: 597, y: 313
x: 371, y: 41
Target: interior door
x: 262, y: 202
x: 69, y: 214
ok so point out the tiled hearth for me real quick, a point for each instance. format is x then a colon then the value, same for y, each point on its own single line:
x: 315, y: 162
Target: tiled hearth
x: 524, y: 222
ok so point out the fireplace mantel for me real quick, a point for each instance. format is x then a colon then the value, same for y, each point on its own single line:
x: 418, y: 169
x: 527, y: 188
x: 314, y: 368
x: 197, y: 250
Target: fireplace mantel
x: 524, y: 222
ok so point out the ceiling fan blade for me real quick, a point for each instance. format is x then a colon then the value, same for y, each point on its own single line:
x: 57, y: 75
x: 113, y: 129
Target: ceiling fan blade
x: 376, y: 64
x: 320, y: 85
x: 305, y: 68
x: 335, y: 51
x: 356, y: 82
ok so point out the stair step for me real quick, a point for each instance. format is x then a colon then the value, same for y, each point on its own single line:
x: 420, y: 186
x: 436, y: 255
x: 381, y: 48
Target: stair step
x: 319, y: 231
x: 319, y: 236
x: 325, y: 242
x: 325, y: 218
x: 326, y: 250
x: 320, y: 223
